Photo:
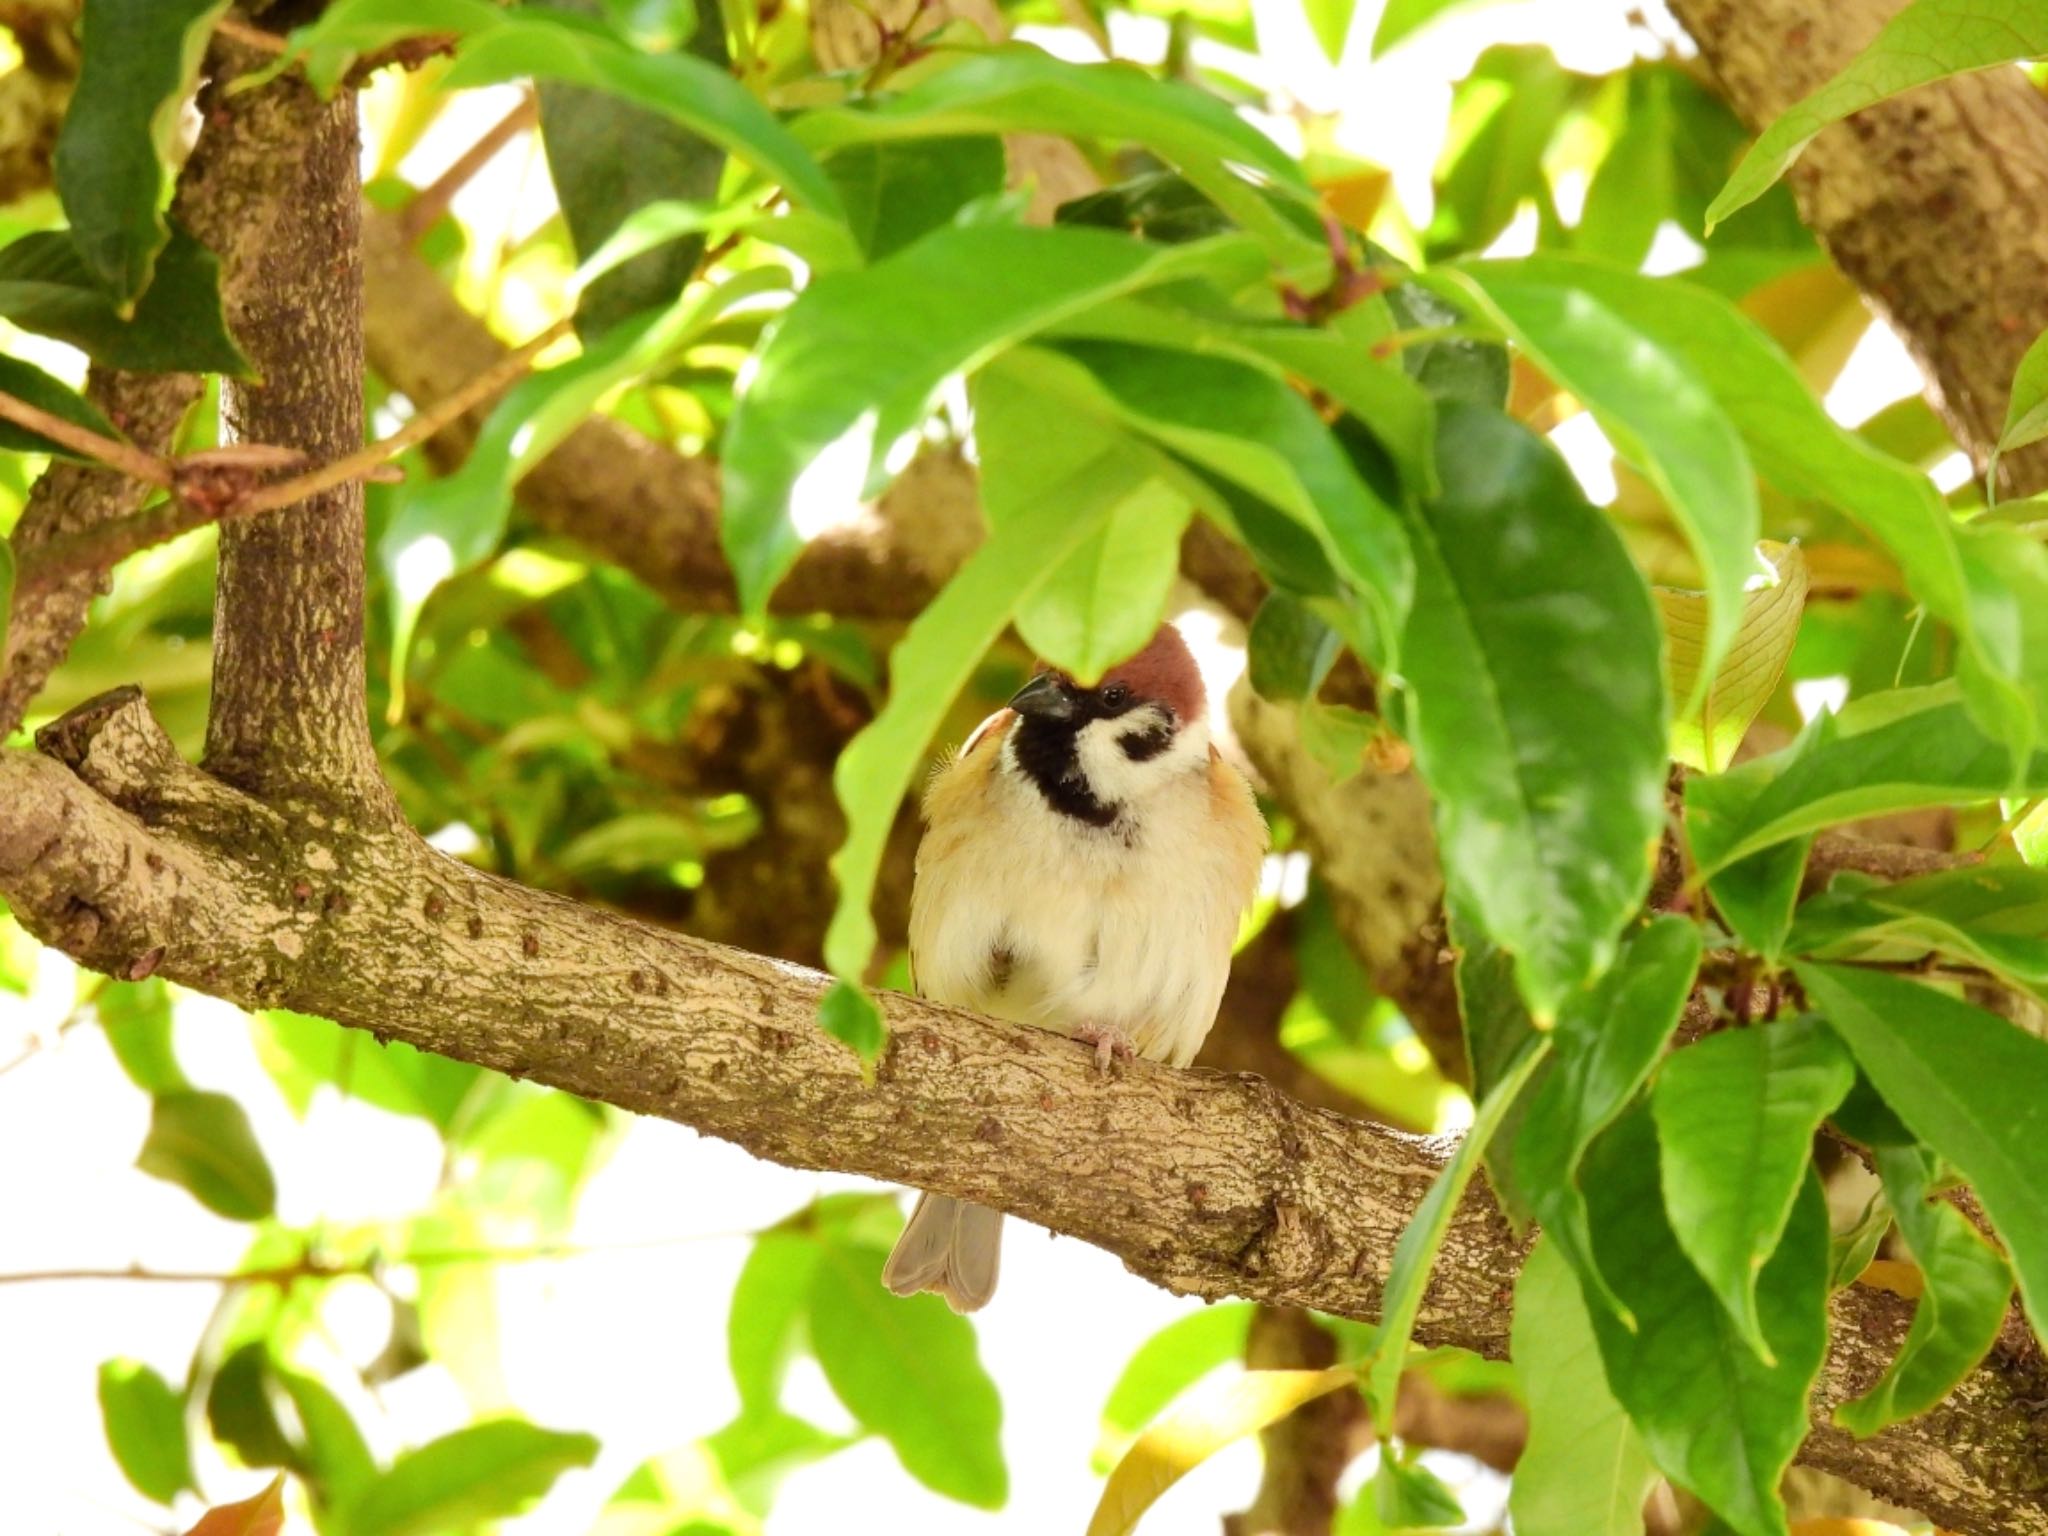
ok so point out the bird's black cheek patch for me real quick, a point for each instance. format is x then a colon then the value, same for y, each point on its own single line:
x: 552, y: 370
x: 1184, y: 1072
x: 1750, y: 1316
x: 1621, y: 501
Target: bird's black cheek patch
x: 1143, y: 746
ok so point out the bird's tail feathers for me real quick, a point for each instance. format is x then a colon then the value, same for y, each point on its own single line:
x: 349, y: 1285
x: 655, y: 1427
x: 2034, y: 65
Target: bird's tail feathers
x: 950, y: 1247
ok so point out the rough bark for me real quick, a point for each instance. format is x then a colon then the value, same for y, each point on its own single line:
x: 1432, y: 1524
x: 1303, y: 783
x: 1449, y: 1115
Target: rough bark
x: 1931, y: 202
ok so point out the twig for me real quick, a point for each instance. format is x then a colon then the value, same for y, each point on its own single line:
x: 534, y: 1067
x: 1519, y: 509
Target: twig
x: 432, y: 200
x: 111, y: 451
x: 250, y: 35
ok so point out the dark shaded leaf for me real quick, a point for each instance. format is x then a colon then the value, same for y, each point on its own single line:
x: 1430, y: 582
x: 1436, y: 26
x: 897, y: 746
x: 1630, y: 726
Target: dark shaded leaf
x: 177, y: 327
x: 897, y: 193
x: 1290, y: 649
x: 30, y: 384
x: 202, y: 1143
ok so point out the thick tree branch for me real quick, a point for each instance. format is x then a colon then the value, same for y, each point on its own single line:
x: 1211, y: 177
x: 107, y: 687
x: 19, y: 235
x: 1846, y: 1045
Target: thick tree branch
x: 115, y: 850
x: 1930, y: 202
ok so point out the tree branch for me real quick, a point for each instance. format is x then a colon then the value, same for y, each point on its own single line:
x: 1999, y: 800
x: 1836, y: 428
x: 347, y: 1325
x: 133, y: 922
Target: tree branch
x: 114, y: 849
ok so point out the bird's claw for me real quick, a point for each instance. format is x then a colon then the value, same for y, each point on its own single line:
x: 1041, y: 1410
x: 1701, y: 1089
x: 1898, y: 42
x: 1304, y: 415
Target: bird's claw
x: 1109, y: 1046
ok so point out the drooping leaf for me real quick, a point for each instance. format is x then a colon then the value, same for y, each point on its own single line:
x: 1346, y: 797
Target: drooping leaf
x: 1891, y: 751
x: 1706, y: 735
x: 1535, y: 704
x: 1197, y: 1428
x: 302, y: 1053
x: 138, y: 60
x: 2026, y: 408
x: 1716, y: 1419
x: 908, y: 1370
x: 1166, y: 1365
x: 768, y: 1304
x: 30, y: 384
x: 1968, y: 1084
x: 1961, y: 1307
x: 1657, y: 412
x: 202, y: 1143
x: 1583, y: 1471
x: 136, y: 1016
x: 1497, y: 1030
x: 1929, y: 40
x: 600, y: 182
x: 1994, y: 916
x: 145, y: 1422
x: 1415, y: 1252
x: 1605, y: 1045
x: 896, y: 193
x: 1504, y: 115
x: 832, y: 391
x: 1049, y: 478
x: 46, y: 287
x: 1736, y: 1113
x: 260, y: 1515
x: 1102, y: 603
x: 482, y: 1472
x: 1289, y: 650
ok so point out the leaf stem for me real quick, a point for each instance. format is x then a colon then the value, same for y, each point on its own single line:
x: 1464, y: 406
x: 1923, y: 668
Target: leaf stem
x: 114, y: 452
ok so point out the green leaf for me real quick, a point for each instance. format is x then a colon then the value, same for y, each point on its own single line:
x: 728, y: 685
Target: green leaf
x: 1415, y: 1252
x: 484, y: 1472
x: 1717, y: 1420
x: 202, y: 1143
x: 1504, y: 115
x: 145, y: 1422
x: 1016, y: 88
x: 1994, y: 916
x: 1290, y: 649
x: 1451, y: 367
x: 242, y: 1411
x: 1101, y: 604
x: 1961, y: 1308
x: 599, y: 187
x: 301, y: 1053
x: 1736, y: 1113
x: 848, y: 1014
x: 1756, y: 894
x: 908, y: 1370
x: 1669, y: 157
x: 761, y: 1447
x: 1605, y: 1046
x: 330, y: 1454
x: 1968, y: 1084
x: 1048, y: 479
x: 1403, y: 18
x: 1584, y: 1470
x: 833, y: 390
x: 1851, y: 1249
x: 1166, y: 1365
x: 30, y: 384
x: 764, y: 1326
x: 136, y: 1016
x: 1706, y: 733
x: 498, y: 46
x: 1658, y: 413
x: 1408, y: 1496
x: 177, y: 327
x: 1929, y: 40
x: 2026, y: 408
x: 1330, y: 20
x: 897, y: 193
x: 1535, y: 704
x: 138, y: 60
x: 1888, y: 752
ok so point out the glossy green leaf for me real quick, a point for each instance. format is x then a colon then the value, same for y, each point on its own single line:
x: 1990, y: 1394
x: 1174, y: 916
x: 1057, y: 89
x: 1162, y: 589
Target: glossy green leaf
x: 1289, y: 651
x: 1716, y: 1419
x: 833, y: 391
x: 30, y: 384
x: 1736, y: 1113
x: 1166, y: 1365
x: 1244, y: 424
x: 1504, y: 115
x: 584, y: 131
x: 1889, y: 752
x: 330, y: 1454
x: 202, y: 1143
x: 908, y: 1370
x: 1995, y: 916
x: 1584, y: 1470
x: 2026, y: 408
x: 1967, y: 1284
x: 1497, y: 1030
x: 497, y: 45
x: 1448, y: 367
x: 46, y: 287
x: 1408, y: 1496
x: 1415, y: 1252
x: 1757, y: 894
x: 1969, y: 1085
x: 138, y: 61
x: 136, y: 1016
x: 1705, y: 733
x: 145, y: 1423
x: 1659, y: 415
x: 1605, y: 1045
x: 1403, y: 18
x: 1929, y: 40
x: 895, y: 194
x: 1101, y: 604
x: 483, y: 1472
x: 1535, y: 704
x: 1048, y: 479
x: 768, y: 1305
x: 1330, y: 21
x: 303, y: 1053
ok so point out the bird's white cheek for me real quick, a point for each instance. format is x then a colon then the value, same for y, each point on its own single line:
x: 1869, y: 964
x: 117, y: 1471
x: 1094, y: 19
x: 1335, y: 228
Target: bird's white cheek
x: 1116, y: 777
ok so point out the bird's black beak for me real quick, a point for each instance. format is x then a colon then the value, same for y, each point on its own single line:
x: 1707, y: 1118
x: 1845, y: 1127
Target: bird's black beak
x: 1046, y: 697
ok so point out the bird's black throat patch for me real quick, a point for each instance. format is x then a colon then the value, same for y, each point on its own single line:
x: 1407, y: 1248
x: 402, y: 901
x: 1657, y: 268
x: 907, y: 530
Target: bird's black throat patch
x: 1048, y: 752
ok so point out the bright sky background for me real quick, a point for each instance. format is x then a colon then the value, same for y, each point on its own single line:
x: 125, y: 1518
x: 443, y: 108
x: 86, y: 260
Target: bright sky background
x: 629, y: 1344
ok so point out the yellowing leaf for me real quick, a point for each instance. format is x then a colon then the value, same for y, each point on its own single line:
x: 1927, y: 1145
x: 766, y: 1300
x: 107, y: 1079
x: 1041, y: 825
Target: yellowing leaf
x: 1836, y: 1525
x: 1203, y: 1424
x: 261, y: 1516
x: 1771, y: 606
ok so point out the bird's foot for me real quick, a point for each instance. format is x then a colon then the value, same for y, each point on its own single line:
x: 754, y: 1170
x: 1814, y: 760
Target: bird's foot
x: 1109, y: 1046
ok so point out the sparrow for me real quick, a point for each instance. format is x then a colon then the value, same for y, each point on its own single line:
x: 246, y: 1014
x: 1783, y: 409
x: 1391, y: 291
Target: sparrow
x: 1087, y: 858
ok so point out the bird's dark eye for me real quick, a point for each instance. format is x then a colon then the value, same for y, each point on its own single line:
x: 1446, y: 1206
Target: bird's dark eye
x: 1115, y: 696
